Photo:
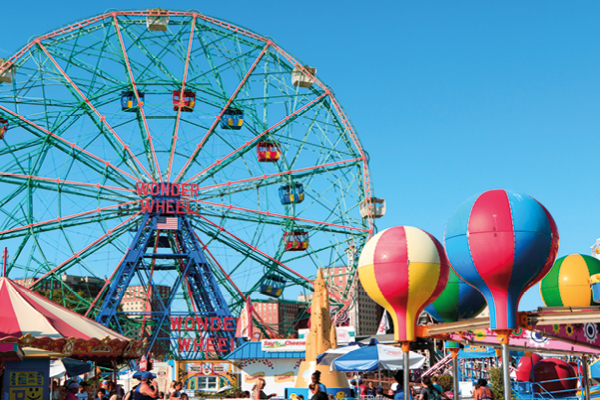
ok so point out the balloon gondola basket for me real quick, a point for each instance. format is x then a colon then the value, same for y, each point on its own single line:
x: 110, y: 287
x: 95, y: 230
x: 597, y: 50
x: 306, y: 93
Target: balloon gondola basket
x: 595, y: 285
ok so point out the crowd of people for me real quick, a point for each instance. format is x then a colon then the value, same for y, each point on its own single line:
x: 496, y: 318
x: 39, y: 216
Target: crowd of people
x: 148, y: 390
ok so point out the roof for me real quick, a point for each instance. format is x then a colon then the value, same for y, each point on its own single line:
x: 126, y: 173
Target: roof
x: 253, y: 351
x: 31, y: 320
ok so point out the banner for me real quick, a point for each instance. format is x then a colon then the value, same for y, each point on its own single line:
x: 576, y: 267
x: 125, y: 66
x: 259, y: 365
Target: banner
x: 244, y: 325
x: 384, y: 324
x: 274, y: 345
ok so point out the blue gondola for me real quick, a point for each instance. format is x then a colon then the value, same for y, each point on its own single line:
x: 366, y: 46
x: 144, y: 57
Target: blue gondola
x: 233, y: 118
x: 293, y: 193
x: 129, y: 102
x: 273, y: 285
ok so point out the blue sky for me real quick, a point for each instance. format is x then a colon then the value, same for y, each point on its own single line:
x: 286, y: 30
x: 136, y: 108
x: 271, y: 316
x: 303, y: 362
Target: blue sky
x: 449, y: 98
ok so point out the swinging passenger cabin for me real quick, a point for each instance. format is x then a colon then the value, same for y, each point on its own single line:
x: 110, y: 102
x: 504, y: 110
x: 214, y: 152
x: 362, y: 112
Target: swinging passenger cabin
x: 295, y: 240
x: 268, y: 151
x: 273, y: 285
x: 157, y: 20
x: 6, y: 76
x: 186, y: 102
x: 372, y: 208
x: 304, y: 78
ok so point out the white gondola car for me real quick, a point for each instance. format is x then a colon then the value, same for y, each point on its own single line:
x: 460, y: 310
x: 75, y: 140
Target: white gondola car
x: 5, y: 76
x: 302, y: 79
x: 157, y: 20
x: 372, y: 208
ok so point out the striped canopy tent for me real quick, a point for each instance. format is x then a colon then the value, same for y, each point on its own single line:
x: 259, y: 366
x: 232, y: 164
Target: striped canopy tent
x: 31, y: 320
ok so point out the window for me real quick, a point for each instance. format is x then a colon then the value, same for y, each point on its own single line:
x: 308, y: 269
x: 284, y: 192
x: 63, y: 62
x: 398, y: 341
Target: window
x: 207, y: 383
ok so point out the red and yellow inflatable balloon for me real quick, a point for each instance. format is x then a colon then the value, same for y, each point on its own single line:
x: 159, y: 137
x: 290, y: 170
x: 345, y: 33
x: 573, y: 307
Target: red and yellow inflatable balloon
x: 403, y: 269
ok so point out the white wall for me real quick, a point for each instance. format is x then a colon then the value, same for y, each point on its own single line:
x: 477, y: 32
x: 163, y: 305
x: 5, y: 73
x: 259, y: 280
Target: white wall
x: 278, y: 374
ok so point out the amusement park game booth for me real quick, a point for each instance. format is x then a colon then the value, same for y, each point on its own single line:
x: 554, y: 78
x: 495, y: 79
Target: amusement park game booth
x: 278, y: 367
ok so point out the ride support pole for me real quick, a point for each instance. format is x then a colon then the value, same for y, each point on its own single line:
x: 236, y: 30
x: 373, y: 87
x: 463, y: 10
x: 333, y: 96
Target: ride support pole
x: 406, y: 367
x: 454, y: 352
x: 586, y: 378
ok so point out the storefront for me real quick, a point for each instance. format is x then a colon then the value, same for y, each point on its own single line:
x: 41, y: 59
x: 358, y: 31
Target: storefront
x: 206, y: 375
x: 278, y: 366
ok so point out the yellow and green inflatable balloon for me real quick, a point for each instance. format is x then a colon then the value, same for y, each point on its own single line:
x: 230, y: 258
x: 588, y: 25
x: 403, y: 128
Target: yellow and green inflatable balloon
x: 567, y: 283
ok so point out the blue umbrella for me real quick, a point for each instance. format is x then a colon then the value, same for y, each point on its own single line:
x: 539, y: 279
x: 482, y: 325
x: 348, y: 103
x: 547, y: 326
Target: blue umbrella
x: 330, y: 355
x: 376, y: 356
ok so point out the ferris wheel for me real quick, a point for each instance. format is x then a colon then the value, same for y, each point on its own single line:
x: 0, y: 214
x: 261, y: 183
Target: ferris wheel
x: 102, y: 117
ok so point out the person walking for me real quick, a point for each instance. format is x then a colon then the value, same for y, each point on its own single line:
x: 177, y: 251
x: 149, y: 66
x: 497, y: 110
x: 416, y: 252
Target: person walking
x: 429, y: 392
x: 315, y: 390
x: 399, y: 390
x: 72, y: 389
x: 146, y: 391
x: 483, y: 392
x: 257, y: 390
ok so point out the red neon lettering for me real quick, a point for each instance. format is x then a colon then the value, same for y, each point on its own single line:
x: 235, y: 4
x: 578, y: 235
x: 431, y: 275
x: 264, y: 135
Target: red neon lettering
x: 222, y: 345
x: 232, y: 344
x: 202, y: 324
x: 141, y: 188
x: 170, y: 204
x: 164, y: 189
x: 210, y: 344
x: 175, y: 189
x: 179, y: 207
x: 189, y: 321
x: 184, y: 344
x: 147, y: 205
x: 228, y: 324
x: 176, y: 323
x: 195, y: 190
x: 159, y: 206
x: 212, y: 323
x: 199, y: 345
x: 154, y: 189
x: 188, y: 210
x: 185, y: 189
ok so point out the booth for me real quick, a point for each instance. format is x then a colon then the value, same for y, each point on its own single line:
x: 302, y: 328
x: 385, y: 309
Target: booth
x: 277, y: 364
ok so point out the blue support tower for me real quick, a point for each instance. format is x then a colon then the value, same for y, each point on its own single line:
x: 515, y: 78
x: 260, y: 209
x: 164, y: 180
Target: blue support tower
x: 150, y: 261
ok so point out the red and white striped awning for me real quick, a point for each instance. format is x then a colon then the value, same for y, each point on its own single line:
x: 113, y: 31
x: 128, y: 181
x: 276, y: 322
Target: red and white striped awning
x: 30, y: 319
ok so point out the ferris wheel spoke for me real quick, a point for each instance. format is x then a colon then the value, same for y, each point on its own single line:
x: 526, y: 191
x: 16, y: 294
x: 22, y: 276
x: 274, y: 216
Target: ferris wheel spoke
x: 56, y: 222
x: 68, y: 147
x: 322, y: 225
x: 246, y: 250
x: 102, y: 118
x: 218, y: 119
x: 179, y: 110
x: 155, y: 166
x: 271, y: 179
x: 90, y: 248
x: 56, y: 184
x: 253, y: 248
x: 248, y: 144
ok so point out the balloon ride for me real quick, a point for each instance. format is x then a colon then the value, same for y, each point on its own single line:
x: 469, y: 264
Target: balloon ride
x: 501, y: 243
x: 568, y: 282
x: 459, y: 300
x: 403, y: 269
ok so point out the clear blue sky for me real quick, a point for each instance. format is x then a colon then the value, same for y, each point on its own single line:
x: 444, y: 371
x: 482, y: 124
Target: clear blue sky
x: 449, y: 98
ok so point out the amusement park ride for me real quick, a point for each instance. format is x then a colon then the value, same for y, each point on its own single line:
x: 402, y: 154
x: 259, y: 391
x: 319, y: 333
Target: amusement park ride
x: 166, y: 148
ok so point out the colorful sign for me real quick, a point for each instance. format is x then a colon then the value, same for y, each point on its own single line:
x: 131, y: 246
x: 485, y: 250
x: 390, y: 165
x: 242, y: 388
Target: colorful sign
x: 26, y: 385
x: 345, y: 334
x: 275, y: 345
x: 170, y: 206
x: 203, y: 327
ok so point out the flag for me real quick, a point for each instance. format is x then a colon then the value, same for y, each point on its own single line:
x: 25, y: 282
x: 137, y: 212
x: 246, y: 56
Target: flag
x: 596, y: 249
x: 244, y: 323
x: 384, y: 325
x: 169, y: 223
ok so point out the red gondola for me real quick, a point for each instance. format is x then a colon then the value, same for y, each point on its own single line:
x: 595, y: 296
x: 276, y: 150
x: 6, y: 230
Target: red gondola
x: 295, y: 240
x: 186, y: 103
x: 268, y: 151
x: 3, y: 127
